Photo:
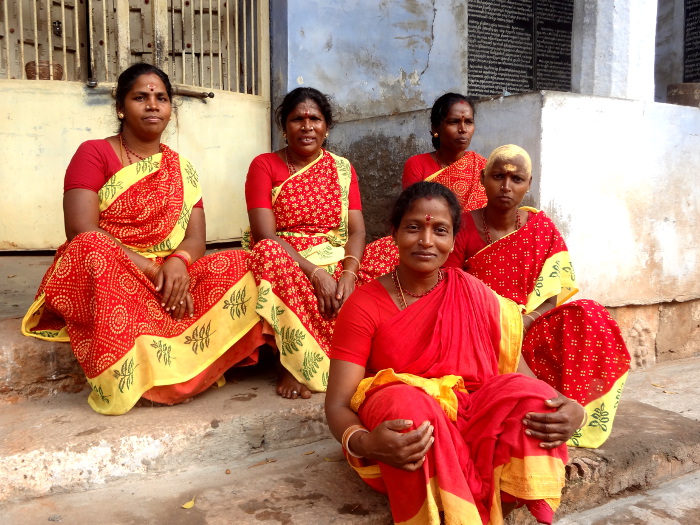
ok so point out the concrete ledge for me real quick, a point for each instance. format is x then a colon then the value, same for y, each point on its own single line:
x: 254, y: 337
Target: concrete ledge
x: 60, y: 444
x: 31, y: 368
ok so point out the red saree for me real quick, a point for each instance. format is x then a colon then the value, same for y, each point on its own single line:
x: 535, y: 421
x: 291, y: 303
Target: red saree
x: 311, y: 213
x: 576, y: 347
x: 94, y: 296
x: 464, y: 179
x: 452, y: 353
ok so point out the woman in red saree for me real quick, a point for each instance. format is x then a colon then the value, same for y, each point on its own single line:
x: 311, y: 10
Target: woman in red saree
x: 576, y: 347
x: 423, y: 390
x: 451, y: 128
x: 146, y: 314
x: 308, y: 237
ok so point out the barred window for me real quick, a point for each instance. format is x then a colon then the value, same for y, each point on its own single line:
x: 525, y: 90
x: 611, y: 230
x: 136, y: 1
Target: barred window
x: 205, y: 43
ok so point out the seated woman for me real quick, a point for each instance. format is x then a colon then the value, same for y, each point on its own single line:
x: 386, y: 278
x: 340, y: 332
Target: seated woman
x: 451, y: 129
x: 423, y: 393
x: 575, y: 347
x: 308, y: 237
x: 146, y: 314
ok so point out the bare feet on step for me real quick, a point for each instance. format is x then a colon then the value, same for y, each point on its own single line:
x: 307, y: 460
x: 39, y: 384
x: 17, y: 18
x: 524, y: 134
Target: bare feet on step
x: 288, y: 387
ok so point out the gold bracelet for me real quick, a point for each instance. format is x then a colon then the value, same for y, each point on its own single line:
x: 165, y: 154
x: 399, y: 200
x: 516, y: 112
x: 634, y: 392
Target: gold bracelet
x: 311, y: 278
x: 352, y: 257
x: 352, y: 273
x: 151, y: 271
x: 345, y: 441
x: 535, y: 312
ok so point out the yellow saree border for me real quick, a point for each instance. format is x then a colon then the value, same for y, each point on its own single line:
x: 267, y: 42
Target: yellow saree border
x: 601, y: 413
x: 328, y: 253
x: 126, y: 177
x: 120, y: 386
x: 557, y: 277
x: 442, y: 389
x: 115, y: 187
x: 457, y: 511
x: 299, y: 351
x: 511, y: 335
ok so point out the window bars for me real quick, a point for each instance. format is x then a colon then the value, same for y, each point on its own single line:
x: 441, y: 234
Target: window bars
x: 205, y: 43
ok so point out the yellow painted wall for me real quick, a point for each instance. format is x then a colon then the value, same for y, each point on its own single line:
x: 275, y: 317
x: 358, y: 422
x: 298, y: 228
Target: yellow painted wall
x: 43, y: 122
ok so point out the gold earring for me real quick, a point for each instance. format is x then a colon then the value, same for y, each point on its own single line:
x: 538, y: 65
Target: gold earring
x: 327, y: 135
x: 120, y: 115
x: 435, y: 134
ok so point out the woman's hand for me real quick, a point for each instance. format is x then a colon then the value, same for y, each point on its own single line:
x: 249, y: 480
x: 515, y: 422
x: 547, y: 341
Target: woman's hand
x: 555, y: 428
x: 390, y: 444
x: 325, y: 289
x: 346, y: 285
x: 173, y: 281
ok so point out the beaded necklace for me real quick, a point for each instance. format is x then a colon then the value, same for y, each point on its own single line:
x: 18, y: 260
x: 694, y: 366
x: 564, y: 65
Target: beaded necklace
x: 290, y: 166
x: 487, y: 233
x: 400, y: 289
x: 130, y: 152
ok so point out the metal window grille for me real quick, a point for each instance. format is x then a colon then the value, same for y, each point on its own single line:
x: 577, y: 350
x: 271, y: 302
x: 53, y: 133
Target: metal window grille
x: 205, y: 43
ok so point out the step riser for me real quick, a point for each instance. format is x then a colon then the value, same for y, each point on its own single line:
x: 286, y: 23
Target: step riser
x: 34, y: 369
x: 97, y: 460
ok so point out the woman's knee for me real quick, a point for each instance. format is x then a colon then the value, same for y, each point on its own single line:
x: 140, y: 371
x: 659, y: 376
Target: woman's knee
x: 401, y: 401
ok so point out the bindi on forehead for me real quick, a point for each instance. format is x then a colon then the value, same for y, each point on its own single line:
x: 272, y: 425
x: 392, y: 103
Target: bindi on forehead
x: 152, y: 87
x: 510, y: 167
x: 428, y: 218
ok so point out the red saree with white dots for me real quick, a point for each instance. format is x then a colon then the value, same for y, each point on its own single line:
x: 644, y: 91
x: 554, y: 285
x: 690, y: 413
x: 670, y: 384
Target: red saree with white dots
x: 96, y: 298
x: 576, y: 347
x: 311, y: 214
x: 448, y: 358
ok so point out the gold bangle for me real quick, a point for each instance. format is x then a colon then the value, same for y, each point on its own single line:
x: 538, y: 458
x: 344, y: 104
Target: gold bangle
x: 311, y: 277
x: 531, y: 318
x: 345, y: 441
x: 151, y: 271
x: 352, y: 273
x: 352, y: 257
x: 535, y: 312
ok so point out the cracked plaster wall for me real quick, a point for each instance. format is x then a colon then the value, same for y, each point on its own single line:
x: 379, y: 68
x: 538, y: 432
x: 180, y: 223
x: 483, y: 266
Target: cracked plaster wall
x: 611, y: 172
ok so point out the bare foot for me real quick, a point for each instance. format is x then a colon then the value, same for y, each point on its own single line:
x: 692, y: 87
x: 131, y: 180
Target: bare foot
x: 288, y: 387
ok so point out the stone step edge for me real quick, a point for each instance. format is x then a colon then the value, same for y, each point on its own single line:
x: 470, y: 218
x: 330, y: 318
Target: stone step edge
x: 104, y: 450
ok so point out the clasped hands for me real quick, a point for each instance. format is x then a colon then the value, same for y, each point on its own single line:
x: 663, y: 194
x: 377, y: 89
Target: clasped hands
x: 391, y: 444
x: 173, y: 282
x: 331, y: 294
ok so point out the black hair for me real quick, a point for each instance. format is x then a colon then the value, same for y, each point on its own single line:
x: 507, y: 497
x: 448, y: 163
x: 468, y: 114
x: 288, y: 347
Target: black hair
x: 296, y: 97
x: 422, y: 190
x: 441, y: 108
x: 128, y: 78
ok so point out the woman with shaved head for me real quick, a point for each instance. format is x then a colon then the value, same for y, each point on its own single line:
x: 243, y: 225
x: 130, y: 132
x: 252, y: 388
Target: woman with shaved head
x: 518, y: 252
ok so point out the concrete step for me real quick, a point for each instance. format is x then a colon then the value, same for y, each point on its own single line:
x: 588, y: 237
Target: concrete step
x: 309, y: 484
x: 59, y: 444
x: 55, y: 451
x: 676, y: 502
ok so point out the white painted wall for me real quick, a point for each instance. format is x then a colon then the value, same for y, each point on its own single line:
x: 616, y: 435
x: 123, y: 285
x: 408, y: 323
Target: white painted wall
x: 619, y: 177
x: 43, y: 122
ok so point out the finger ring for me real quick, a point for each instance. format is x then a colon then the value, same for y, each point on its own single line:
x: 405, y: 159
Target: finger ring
x: 294, y: 392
